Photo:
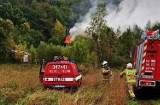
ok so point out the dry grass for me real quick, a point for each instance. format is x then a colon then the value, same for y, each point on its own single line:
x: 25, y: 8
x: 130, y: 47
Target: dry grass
x: 20, y: 85
x: 17, y: 81
x: 116, y: 93
x: 93, y: 92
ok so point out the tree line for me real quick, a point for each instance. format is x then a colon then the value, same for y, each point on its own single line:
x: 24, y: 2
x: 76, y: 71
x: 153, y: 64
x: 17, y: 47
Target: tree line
x: 40, y: 27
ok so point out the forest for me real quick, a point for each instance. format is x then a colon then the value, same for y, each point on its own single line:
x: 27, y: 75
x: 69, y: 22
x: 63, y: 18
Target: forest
x: 40, y: 27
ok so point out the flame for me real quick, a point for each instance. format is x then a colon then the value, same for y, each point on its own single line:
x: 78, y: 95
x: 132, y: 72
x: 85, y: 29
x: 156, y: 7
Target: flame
x: 68, y: 40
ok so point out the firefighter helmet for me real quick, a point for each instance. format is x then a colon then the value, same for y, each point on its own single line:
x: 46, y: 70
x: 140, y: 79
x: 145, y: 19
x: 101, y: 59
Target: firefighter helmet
x: 129, y: 66
x: 104, y: 62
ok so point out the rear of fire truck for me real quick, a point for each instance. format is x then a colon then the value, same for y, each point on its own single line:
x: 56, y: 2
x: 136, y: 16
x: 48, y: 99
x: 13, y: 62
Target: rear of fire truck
x: 147, y: 60
x: 60, y: 74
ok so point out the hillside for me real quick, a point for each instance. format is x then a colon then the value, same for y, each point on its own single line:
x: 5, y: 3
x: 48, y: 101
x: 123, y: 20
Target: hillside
x: 40, y: 29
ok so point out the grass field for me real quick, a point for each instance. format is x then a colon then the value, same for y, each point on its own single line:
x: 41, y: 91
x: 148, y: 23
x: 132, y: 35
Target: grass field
x: 19, y: 85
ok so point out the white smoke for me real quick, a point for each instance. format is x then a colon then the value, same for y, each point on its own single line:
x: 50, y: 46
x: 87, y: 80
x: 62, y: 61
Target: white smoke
x: 80, y: 27
x: 128, y: 13
x: 134, y: 12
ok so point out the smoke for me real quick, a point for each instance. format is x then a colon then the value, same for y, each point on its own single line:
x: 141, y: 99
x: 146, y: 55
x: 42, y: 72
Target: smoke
x: 133, y: 12
x: 124, y: 14
x: 80, y: 27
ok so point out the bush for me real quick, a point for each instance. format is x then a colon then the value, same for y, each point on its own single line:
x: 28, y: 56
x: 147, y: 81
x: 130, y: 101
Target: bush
x: 33, y: 52
x: 48, y: 51
x: 80, y: 50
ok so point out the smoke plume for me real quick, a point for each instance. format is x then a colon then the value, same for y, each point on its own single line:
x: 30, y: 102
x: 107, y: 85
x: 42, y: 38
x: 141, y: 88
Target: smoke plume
x: 124, y: 14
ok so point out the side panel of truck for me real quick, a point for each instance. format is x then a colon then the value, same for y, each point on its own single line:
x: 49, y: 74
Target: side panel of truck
x: 158, y: 62
x: 139, y: 57
x: 134, y: 57
x: 147, y: 60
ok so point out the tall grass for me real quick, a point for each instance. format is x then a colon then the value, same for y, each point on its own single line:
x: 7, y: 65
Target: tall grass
x: 17, y: 81
x: 116, y: 93
x: 19, y: 85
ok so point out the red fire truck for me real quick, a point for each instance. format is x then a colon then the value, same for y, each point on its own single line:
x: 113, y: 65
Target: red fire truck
x: 147, y: 60
x: 60, y: 74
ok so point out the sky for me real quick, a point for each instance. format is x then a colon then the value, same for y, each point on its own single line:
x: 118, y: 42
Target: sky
x: 126, y: 13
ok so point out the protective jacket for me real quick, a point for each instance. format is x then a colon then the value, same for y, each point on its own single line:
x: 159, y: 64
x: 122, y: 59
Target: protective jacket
x: 130, y: 75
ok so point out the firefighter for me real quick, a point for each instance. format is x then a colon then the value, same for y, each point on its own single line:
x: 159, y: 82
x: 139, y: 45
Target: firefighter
x: 106, y: 72
x: 130, y: 74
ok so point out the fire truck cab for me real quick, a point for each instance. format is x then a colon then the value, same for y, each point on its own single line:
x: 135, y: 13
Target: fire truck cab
x: 61, y: 74
x: 147, y: 60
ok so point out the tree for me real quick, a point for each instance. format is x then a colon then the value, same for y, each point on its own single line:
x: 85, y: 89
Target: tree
x: 108, y: 45
x: 32, y: 37
x: 128, y: 41
x: 6, y: 38
x: 96, y: 30
x: 156, y: 26
x: 59, y: 31
x: 33, y: 53
x: 54, y: 40
x: 41, y: 17
x: 42, y: 52
x: 7, y: 11
x: 80, y: 50
x: 48, y: 51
